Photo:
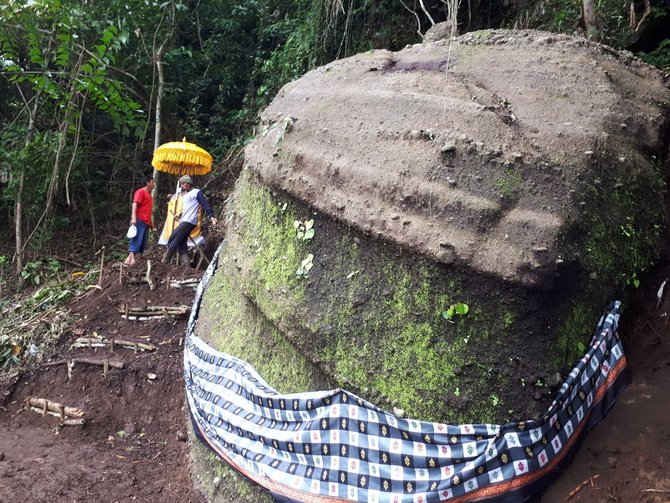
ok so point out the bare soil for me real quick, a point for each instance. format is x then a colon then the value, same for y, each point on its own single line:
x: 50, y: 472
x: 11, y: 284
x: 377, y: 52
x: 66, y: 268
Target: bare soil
x: 476, y: 152
x: 626, y: 457
x: 134, y: 445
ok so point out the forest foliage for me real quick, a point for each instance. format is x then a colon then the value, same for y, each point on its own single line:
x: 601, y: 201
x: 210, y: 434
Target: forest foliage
x: 79, y: 84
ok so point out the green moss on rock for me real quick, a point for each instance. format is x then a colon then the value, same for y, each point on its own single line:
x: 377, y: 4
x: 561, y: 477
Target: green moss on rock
x: 367, y: 317
x: 233, y: 324
x: 616, y: 242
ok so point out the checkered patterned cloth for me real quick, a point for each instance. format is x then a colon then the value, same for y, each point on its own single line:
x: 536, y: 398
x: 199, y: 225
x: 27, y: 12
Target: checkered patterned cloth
x: 334, y: 446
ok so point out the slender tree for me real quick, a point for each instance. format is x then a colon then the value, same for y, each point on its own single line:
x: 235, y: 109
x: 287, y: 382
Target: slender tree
x: 48, y: 52
x: 590, y: 18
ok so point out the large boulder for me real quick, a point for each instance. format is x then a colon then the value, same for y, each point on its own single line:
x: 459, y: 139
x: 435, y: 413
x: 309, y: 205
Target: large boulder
x: 519, y: 173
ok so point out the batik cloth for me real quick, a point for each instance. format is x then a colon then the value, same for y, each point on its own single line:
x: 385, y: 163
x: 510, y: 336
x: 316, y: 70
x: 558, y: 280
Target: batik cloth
x: 334, y: 446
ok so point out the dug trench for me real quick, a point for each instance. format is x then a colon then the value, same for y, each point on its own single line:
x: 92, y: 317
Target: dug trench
x: 133, y: 445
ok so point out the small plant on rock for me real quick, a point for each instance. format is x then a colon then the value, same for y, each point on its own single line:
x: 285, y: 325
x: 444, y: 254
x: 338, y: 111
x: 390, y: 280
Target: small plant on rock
x: 304, y: 230
x: 458, y: 309
x: 285, y: 126
x: 305, y: 266
x: 509, y: 183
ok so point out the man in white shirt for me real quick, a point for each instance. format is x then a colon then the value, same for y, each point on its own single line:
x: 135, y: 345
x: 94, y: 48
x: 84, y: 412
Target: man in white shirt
x: 192, y: 200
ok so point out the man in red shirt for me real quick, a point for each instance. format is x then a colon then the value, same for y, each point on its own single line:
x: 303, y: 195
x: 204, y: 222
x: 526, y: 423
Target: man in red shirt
x: 141, y: 217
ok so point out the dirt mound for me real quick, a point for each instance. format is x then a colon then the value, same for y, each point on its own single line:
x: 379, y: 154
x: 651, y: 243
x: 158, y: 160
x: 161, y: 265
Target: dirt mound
x: 488, y: 153
x: 134, y: 444
x: 470, y: 174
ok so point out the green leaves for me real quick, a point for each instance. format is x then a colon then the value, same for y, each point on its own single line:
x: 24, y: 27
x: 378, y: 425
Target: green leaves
x: 458, y: 309
x: 304, y: 230
x: 67, y: 59
x: 107, y: 38
x: 305, y: 266
x: 63, y: 51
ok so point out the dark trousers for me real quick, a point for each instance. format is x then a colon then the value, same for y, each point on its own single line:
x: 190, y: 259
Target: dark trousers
x: 179, y: 238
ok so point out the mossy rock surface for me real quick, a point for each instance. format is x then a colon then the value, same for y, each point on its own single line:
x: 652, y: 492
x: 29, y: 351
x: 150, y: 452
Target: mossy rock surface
x: 519, y: 173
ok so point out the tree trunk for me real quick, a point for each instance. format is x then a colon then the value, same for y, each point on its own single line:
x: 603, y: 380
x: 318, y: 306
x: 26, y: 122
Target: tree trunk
x: 18, y: 205
x: 18, y: 222
x: 590, y: 21
x: 159, y: 97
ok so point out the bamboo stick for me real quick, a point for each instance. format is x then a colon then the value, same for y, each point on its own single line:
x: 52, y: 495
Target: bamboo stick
x: 102, y: 266
x: 89, y: 361
x: 145, y: 318
x: 100, y: 342
x: 162, y: 309
x: 48, y: 407
x: 135, y: 312
x: 73, y: 422
x: 148, y: 276
x: 186, y: 283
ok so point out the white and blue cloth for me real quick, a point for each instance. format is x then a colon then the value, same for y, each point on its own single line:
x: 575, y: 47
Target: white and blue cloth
x: 334, y: 446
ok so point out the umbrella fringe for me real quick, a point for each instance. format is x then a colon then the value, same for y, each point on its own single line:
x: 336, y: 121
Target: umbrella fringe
x: 182, y: 158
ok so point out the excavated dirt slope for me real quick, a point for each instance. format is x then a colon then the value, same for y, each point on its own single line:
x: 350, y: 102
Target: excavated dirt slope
x: 517, y: 172
x: 520, y: 173
x: 473, y: 152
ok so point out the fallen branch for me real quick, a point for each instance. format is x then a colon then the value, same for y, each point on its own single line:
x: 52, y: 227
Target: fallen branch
x: 147, y: 278
x: 89, y: 361
x: 100, y: 342
x: 581, y: 486
x: 64, y: 422
x: 655, y: 491
x: 137, y: 281
x: 185, y: 283
x: 153, y: 312
x: 69, y: 416
x: 146, y: 318
x: 153, y: 309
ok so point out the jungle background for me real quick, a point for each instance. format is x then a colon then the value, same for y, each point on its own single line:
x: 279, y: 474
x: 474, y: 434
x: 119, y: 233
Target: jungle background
x: 89, y: 89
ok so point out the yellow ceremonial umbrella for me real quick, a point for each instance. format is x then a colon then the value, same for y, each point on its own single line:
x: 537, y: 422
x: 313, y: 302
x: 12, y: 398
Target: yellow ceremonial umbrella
x: 182, y: 158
